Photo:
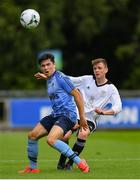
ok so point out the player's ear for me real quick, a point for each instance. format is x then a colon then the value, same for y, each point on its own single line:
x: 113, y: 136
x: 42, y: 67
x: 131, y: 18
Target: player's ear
x: 106, y: 69
x: 54, y: 65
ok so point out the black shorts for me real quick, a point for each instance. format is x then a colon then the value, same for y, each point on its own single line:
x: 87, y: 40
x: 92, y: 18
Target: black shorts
x: 92, y: 126
x: 62, y: 121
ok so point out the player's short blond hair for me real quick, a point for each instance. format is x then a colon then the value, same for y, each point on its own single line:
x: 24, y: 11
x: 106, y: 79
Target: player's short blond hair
x: 99, y: 60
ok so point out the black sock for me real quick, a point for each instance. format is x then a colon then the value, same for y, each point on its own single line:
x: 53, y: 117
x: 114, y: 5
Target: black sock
x: 77, y: 148
x: 62, y: 158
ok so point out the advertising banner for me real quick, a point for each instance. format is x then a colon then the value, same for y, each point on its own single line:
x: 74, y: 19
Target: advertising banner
x: 27, y: 112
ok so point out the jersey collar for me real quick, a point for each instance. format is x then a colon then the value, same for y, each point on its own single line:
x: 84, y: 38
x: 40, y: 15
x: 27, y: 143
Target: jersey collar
x: 107, y: 82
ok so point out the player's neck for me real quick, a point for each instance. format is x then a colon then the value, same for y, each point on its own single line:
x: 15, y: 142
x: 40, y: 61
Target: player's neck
x: 101, y: 81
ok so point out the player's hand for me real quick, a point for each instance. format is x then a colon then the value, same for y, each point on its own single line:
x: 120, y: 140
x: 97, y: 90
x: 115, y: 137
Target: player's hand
x: 76, y: 126
x: 40, y: 76
x: 83, y: 123
x: 99, y: 111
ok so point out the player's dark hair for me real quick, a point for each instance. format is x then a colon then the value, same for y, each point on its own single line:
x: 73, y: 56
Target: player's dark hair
x: 45, y: 56
x: 99, y: 60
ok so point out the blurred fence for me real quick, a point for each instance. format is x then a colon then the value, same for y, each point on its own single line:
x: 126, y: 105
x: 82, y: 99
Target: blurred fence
x: 23, y: 109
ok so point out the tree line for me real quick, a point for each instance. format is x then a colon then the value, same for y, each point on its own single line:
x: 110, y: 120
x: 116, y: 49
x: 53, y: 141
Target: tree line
x: 82, y: 29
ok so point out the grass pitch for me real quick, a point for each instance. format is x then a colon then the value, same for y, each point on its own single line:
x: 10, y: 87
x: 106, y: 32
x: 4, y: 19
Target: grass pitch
x: 110, y: 154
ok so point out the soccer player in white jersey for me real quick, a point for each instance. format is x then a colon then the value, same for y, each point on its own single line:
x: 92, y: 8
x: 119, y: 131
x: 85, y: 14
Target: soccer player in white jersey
x: 63, y: 118
x: 97, y: 93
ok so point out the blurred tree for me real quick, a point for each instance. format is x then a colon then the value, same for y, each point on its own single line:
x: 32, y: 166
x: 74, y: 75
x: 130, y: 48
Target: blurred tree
x: 83, y: 30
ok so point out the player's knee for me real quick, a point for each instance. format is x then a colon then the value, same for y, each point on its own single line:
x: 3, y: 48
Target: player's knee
x: 67, y: 136
x: 50, y: 141
x: 32, y: 135
x: 83, y: 134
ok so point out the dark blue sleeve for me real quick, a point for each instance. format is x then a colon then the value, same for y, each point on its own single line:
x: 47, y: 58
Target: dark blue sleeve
x: 66, y: 83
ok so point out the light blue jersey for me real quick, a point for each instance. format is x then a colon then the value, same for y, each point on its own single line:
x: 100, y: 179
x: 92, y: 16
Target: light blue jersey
x: 59, y: 89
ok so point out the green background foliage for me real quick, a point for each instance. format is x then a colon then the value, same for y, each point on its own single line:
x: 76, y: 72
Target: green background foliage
x: 82, y: 30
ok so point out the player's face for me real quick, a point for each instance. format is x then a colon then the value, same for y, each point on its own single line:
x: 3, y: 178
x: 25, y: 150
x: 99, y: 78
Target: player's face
x: 47, y: 67
x: 100, y: 70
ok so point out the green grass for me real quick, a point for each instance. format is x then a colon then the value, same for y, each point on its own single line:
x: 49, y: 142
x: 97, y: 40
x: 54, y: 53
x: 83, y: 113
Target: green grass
x: 110, y: 154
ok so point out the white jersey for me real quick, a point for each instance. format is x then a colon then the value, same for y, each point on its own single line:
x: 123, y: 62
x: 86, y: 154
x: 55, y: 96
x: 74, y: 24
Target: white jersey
x: 97, y: 95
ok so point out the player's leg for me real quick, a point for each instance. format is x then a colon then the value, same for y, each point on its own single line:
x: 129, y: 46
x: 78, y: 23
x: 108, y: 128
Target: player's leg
x: 62, y: 159
x: 62, y: 126
x: 81, y: 141
x: 78, y: 146
x: 39, y: 131
x: 32, y: 148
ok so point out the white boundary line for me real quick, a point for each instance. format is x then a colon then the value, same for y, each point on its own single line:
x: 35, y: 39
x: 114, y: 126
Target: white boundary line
x: 90, y: 160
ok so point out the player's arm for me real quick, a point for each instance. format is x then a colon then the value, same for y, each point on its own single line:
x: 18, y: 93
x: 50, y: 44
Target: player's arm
x: 40, y: 75
x: 116, y: 101
x: 80, y: 105
x: 80, y: 80
x: 116, y: 104
x: 76, y: 80
x: 69, y: 87
x: 104, y: 112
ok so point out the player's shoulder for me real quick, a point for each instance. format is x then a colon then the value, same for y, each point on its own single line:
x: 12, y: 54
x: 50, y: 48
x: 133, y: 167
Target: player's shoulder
x: 111, y: 85
x: 60, y: 76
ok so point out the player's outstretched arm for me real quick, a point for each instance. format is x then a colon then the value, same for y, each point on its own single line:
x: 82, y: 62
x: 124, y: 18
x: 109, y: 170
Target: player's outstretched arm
x: 104, y: 112
x: 80, y: 105
x: 40, y: 76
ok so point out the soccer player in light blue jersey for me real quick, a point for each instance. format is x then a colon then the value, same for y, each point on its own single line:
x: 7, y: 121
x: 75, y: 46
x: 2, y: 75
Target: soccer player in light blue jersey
x: 63, y: 96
